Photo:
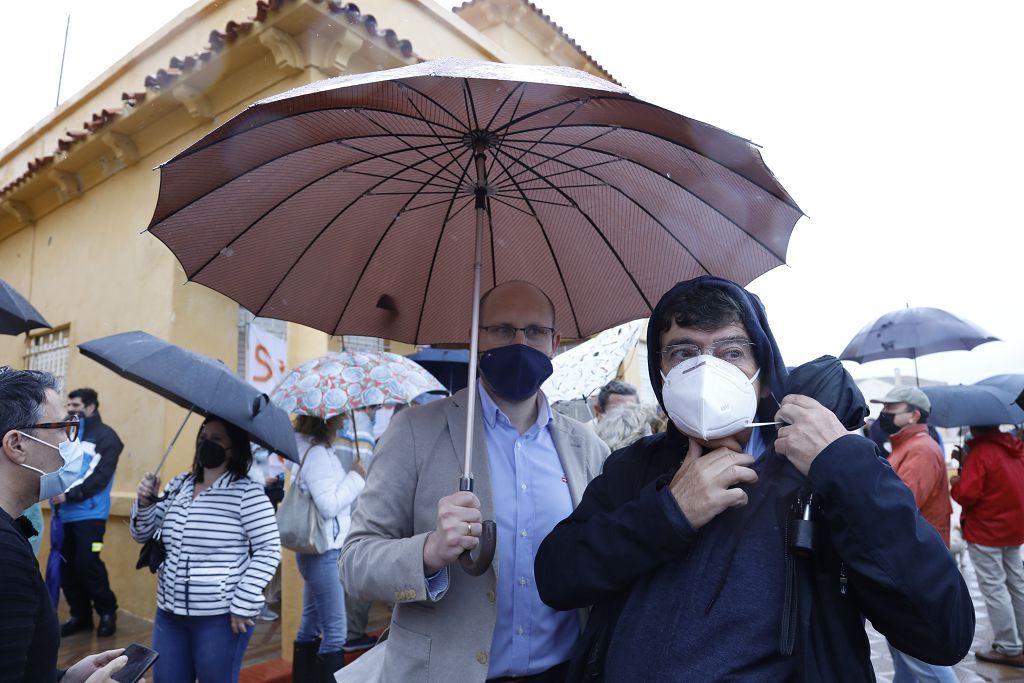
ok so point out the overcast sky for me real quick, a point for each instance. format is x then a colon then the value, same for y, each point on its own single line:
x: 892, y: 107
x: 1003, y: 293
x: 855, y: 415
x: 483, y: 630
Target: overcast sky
x: 894, y: 125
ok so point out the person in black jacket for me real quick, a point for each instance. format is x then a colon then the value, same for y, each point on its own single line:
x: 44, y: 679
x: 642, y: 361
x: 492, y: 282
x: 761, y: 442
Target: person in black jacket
x: 39, y: 458
x: 731, y: 549
x: 83, y: 510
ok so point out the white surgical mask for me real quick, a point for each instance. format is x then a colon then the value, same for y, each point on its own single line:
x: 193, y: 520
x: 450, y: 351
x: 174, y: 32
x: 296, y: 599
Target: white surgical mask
x: 57, y: 482
x: 709, y: 398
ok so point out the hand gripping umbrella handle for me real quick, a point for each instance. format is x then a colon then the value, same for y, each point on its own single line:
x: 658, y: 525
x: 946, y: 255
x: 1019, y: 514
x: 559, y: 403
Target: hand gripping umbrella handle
x: 488, y: 541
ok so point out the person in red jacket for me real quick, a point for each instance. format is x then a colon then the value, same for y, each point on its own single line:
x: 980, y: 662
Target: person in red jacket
x: 991, y: 490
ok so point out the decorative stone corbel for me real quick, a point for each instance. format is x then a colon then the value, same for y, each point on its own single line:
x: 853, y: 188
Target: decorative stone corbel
x: 286, y: 50
x: 68, y: 184
x: 19, y: 210
x: 195, y: 101
x: 332, y: 54
x: 124, y: 149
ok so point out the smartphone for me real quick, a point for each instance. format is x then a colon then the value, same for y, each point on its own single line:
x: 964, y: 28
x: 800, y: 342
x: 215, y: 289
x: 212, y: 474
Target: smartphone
x: 140, y: 658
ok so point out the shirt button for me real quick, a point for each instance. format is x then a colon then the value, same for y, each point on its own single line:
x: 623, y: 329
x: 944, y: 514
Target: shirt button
x: 523, y: 533
x: 522, y: 581
x: 481, y: 657
x: 519, y: 631
x: 491, y: 597
x: 523, y: 486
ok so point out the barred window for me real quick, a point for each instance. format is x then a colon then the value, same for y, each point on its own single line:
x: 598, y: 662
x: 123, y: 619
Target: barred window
x: 350, y: 343
x: 49, y: 352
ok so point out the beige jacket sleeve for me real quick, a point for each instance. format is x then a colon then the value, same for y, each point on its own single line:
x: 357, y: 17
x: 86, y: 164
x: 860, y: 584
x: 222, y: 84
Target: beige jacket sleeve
x: 382, y: 558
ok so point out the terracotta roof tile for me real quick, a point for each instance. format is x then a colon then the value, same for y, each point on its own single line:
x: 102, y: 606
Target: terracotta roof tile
x: 559, y: 29
x: 179, y: 66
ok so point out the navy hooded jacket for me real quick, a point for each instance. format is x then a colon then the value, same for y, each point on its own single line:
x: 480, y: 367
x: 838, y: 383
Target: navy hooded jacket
x: 627, y: 554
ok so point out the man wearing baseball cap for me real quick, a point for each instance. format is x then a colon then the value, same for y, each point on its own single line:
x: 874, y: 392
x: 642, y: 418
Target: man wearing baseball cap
x: 918, y: 460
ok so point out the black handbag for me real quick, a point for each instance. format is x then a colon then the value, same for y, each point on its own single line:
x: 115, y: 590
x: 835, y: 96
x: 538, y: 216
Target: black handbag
x: 153, y: 553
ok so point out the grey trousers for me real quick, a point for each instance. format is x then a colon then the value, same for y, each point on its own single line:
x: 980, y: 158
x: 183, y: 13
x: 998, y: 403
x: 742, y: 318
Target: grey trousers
x: 357, y: 613
x: 1001, y: 580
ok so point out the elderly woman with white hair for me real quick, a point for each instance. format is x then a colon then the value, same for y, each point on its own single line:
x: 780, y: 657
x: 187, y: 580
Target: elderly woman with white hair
x: 621, y: 426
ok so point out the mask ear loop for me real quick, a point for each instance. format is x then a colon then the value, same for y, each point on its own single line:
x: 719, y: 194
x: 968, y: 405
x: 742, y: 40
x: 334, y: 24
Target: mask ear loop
x: 774, y: 422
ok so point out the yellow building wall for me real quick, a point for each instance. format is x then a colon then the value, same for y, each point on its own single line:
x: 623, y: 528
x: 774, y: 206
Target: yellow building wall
x: 83, y: 263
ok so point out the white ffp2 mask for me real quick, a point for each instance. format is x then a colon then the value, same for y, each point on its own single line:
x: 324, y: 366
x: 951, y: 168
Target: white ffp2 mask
x: 709, y: 398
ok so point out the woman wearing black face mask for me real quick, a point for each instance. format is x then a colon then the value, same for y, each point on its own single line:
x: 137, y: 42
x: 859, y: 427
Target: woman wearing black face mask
x: 220, y: 534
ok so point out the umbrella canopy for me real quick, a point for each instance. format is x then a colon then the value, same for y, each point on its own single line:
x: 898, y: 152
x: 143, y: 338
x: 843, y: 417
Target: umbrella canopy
x: 963, y: 405
x: 196, y: 383
x: 1012, y: 384
x: 913, y: 332
x: 449, y: 366
x: 340, y: 382
x: 587, y: 367
x: 17, y: 315
x: 348, y: 205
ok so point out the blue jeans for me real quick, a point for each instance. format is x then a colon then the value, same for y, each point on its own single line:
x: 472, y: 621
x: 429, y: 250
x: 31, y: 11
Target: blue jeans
x: 907, y: 669
x: 202, y: 647
x: 323, y: 601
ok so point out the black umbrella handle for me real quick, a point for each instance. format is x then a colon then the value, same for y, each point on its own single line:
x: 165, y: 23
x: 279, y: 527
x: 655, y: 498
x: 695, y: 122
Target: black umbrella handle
x: 488, y: 541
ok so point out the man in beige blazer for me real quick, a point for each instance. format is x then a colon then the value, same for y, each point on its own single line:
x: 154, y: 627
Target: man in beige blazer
x: 530, y: 466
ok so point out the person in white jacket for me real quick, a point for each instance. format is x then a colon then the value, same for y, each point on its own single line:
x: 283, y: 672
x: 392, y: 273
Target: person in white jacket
x: 322, y: 630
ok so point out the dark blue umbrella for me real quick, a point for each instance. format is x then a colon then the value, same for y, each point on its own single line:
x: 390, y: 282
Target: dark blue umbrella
x: 449, y: 366
x: 913, y: 332
x: 1011, y: 384
x: 196, y: 383
x: 962, y: 405
x: 17, y: 315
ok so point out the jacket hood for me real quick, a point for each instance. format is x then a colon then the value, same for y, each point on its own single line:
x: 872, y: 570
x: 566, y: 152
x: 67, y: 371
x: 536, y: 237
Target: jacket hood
x: 1013, y: 446
x: 773, y: 370
x: 826, y: 380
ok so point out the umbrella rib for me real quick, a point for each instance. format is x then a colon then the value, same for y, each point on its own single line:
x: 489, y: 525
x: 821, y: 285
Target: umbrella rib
x: 369, y: 258
x: 601, y: 234
x: 522, y: 93
x: 237, y: 237
x: 574, y: 169
x: 500, y: 200
x: 549, y: 131
x: 403, y: 180
x: 685, y: 189
x: 371, y: 157
x: 580, y: 145
x: 314, y: 240
x: 554, y: 259
x: 428, y: 98
x: 467, y: 94
x: 429, y: 123
x: 189, y: 152
x: 788, y: 201
x: 535, y: 200
x: 398, y: 136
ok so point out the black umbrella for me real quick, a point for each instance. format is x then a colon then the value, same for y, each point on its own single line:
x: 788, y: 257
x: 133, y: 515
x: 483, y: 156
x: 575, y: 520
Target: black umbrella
x: 196, y: 383
x: 913, y: 332
x: 17, y: 315
x: 1011, y: 384
x: 963, y: 405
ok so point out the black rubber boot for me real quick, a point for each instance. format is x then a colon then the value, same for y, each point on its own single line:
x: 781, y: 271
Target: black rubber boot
x: 330, y: 662
x: 305, y: 668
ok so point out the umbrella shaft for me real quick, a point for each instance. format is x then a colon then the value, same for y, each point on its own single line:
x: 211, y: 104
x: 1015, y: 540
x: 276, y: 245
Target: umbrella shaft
x: 173, y: 441
x: 474, y: 333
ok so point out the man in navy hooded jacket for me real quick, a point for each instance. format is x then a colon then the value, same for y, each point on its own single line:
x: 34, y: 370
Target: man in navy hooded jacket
x: 688, y: 545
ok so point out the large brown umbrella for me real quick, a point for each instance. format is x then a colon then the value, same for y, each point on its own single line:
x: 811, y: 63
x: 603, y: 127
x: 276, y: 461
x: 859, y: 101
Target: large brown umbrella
x: 377, y: 204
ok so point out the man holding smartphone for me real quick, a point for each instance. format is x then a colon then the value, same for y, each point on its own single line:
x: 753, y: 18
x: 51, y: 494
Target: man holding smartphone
x: 39, y: 458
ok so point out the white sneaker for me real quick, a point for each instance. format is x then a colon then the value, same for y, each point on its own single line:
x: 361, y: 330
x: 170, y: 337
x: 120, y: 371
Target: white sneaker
x: 267, y: 614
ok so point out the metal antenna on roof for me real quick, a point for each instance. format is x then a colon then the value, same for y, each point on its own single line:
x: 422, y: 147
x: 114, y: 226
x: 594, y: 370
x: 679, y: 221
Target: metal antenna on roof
x: 63, y: 53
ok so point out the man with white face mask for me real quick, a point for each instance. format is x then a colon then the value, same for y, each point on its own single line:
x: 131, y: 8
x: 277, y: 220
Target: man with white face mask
x: 39, y: 458
x: 750, y: 540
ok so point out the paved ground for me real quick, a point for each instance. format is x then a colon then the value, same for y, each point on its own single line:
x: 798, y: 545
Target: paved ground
x: 967, y: 670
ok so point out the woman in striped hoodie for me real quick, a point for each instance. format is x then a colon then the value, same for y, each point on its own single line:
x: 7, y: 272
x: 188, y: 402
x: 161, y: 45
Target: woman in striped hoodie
x: 220, y: 533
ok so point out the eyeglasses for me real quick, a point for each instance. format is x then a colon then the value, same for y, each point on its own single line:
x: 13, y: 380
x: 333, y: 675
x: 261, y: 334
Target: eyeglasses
x: 70, y: 427
x: 739, y: 352
x: 506, y: 333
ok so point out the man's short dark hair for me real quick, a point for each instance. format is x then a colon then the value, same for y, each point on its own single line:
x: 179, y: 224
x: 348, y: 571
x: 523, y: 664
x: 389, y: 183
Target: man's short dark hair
x: 614, y: 387
x: 703, y: 307
x: 88, y: 396
x: 22, y: 395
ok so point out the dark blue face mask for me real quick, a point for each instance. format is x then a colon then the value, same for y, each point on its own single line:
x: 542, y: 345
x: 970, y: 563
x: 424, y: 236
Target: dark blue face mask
x: 516, y: 371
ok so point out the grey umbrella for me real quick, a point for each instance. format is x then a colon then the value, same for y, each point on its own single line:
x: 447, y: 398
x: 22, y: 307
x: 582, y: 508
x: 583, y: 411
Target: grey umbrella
x: 963, y: 405
x: 913, y: 332
x: 196, y: 383
x: 17, y: 315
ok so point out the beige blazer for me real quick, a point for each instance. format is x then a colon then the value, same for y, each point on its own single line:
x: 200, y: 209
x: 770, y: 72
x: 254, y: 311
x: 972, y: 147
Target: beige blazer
x: 417, y: 462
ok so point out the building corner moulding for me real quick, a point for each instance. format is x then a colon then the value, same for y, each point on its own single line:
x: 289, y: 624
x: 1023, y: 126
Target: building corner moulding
x: 19, y: 210
x: 327, y: 51
x: 196, y: 102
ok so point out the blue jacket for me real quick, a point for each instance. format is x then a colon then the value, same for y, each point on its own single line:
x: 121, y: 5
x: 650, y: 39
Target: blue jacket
x: 91, y: 499
x: 680, y: 600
